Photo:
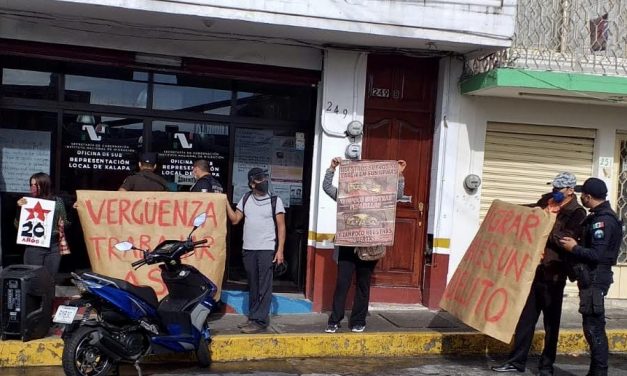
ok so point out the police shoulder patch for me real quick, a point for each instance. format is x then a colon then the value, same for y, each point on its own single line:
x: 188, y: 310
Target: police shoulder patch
x: 599, y: 234
x: 598, y: 225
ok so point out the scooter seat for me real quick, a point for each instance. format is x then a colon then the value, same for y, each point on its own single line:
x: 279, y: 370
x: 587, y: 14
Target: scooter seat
x: 146, y: 293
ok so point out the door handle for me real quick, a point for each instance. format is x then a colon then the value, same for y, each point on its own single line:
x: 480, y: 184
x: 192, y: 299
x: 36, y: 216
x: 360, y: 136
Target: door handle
x: 421, y: 210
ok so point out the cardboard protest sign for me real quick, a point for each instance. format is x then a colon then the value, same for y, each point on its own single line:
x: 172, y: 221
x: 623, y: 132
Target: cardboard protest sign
x: 36, y: 222
x: 490, y: 286
x: 366, y: 203
x: 146, y: 219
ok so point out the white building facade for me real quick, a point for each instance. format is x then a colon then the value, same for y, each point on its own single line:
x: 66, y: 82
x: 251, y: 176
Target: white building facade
x: 278, y: 77
x: 554, y: 101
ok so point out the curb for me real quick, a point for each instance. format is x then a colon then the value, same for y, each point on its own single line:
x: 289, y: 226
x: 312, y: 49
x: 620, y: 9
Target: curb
x: 238, y: 347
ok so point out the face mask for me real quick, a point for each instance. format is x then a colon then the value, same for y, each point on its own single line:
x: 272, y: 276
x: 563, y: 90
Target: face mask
x: 558, y: 196
x: 262, y: 187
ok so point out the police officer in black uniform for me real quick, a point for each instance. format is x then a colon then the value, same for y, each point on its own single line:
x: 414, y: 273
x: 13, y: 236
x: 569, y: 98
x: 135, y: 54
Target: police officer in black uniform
x: 593, y: 259
x: 204, y: 181
x: 145, y: 179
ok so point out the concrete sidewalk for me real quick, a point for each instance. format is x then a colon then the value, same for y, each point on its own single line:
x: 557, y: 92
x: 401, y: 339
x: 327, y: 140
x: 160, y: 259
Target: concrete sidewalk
x: 391, y: 331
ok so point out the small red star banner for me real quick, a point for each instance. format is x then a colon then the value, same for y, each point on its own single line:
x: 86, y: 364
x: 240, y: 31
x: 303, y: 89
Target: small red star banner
x: 36, y: 221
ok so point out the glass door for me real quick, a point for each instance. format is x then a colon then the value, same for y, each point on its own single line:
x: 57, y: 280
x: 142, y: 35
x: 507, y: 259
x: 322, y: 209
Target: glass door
x: 179, y: 144
x: 26, y: 147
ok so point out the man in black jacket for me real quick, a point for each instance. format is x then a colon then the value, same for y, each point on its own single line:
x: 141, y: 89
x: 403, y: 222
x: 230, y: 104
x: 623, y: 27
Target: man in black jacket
x: 600, y: 244
x: 204, y: 181
x: 547, y: 289
x: 146, y: 179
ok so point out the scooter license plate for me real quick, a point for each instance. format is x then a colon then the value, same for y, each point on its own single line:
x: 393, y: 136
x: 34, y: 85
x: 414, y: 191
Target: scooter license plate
x: 65, y: 314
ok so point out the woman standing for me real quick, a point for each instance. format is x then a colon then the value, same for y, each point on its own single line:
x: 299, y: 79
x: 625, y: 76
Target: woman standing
x: 348, y: 262
x: 50, y: 258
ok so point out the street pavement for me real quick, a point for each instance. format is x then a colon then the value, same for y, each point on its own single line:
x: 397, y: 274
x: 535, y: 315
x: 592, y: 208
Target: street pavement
x: 405, y: 366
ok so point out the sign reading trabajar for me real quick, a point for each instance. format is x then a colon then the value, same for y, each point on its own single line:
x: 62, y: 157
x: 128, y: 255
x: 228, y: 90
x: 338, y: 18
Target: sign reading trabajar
x: 146, y: 219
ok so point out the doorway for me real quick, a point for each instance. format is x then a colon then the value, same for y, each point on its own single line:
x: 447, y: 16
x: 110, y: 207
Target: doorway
x: 398, y: 124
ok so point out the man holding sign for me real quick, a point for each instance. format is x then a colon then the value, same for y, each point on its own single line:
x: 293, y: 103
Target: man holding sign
x: 547, y: 289
x: 349, y: 261
x: 490, y: 286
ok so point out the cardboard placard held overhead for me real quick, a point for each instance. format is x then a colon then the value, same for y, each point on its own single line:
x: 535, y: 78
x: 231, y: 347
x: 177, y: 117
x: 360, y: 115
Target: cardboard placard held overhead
x: 146, y: 219
x: 366, y: 203
x: 490, y: 286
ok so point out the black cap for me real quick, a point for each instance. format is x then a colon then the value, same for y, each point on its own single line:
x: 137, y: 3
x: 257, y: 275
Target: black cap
x: 150, y: 158
x: 594, y: 187
x: 256, y: 173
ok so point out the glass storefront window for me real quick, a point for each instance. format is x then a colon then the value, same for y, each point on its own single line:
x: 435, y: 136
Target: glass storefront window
x: 173, y: 93
x: 99, y: 151
x: 273, y: 102
x: 105, y: 91
x: 29, y: 84
x: 179, y: 144
x: 217, y: 119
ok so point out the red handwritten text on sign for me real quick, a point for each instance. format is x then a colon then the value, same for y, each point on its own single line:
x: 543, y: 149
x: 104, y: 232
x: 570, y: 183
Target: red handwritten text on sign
x: 491, y: 283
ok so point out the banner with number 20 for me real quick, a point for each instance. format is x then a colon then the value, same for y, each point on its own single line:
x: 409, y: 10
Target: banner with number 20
x: 35, y: 227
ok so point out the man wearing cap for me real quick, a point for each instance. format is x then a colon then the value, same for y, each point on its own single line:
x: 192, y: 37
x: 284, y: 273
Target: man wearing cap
x: 145, y: 179
x: 204, y: 181
x: 547, y: 290
x: 263, y: 242
x: 600, y: 244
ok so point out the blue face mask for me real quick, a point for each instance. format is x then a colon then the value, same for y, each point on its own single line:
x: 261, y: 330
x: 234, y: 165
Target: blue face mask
x: 558, y: 196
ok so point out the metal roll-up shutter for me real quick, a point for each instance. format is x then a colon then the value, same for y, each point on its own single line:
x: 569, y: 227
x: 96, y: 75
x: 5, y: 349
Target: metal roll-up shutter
x: 520, y: 159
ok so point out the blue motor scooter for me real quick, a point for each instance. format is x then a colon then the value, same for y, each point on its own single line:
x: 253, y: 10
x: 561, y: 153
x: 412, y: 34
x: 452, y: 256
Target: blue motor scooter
x: 114, y: 321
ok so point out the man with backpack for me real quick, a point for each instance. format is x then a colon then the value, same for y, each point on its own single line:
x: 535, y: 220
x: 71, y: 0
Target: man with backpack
x: 263, y: 242
x: 204, y: 181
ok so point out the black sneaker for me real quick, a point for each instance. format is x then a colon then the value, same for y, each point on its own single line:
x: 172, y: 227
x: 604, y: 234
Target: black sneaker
x: 332, y: 328
x: 507, y: 367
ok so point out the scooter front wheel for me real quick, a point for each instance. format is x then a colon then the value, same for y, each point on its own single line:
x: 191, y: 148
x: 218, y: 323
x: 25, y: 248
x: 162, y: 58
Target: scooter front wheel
x: 81, y: 358
x: 202, y: 353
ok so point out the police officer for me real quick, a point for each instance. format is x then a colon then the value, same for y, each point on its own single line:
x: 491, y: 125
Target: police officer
x: 594, y: 259
x: 145, y: 179
x: 204, y: 181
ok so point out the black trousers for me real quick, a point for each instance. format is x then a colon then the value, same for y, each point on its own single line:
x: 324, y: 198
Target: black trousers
x: 258, y: 265
x: 594, y: 331
x: 46, y: 257
x: 546, y: 297
x: 348, y: 262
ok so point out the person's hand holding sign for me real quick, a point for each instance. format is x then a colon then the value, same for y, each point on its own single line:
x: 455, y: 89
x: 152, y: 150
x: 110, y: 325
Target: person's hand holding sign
x: 21, y: 202
x: 401, y: 166
x: 335, y: 162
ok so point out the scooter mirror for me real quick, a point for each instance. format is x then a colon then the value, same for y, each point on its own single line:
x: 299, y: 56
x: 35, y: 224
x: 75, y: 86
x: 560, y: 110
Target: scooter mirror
x: 123, y: 246
x: 198, y: 221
